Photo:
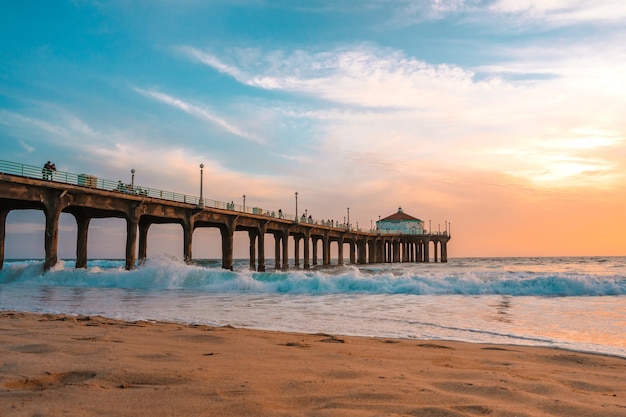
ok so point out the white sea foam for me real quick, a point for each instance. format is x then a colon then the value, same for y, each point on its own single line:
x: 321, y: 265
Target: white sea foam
x: 165, y: 273
x: 573, y: 303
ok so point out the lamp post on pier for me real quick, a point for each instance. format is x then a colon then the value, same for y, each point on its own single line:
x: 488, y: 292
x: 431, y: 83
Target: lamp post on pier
x: 348, y: 217
x: 201, y: 202
x: 296, y: 207
x: 244, y: 203
x: 132, y: 178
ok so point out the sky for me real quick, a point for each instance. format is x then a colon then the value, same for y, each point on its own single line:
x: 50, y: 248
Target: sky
x: 500, y: 119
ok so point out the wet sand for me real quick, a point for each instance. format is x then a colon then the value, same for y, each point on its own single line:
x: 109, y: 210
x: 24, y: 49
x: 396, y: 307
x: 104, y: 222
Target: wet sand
x: 55, y: 365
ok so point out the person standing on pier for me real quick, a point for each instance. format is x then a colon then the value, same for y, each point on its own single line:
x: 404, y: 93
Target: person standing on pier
x: 47, y: 170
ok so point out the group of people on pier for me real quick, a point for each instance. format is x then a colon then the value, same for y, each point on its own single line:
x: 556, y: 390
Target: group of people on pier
x: 48, y: 169
x: 130, y: 189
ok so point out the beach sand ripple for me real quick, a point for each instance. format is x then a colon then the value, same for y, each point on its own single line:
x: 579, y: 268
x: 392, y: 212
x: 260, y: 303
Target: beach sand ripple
x: 82, y: 366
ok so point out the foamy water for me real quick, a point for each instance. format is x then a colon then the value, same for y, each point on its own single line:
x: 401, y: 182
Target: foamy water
x: 572, y: 303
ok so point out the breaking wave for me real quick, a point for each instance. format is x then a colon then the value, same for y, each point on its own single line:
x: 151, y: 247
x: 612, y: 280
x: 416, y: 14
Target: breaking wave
x: 166, y: 273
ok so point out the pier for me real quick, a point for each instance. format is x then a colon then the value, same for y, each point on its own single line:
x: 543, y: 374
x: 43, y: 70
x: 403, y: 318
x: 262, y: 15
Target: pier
x: 24, y: 187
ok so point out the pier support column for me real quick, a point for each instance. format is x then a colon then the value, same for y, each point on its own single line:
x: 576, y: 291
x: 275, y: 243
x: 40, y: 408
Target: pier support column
x: 252, y: 234
x: 406, y: 254
x: 444, y: 252
x: 370, y: 251
x: 132, y: 224
x: 361, y: 251
x: 261, y: 250
x: 380, y: 253
x: 307, y: 254
x: 285, y: 240
x: 3, y: 228
x: 296, y: 252
x: 340, y: 251
x: 326, y: 250
x: 352, y: 253
x: 397, y: 247
x: 82, y: 224
x: 188, y: 228
x: 277, y: 251
x: 143, y: 242
x: 435, y: 251
x: 51, y: 238
x: 227, y: 246
x: 427, y: 250
x: 314, y: 241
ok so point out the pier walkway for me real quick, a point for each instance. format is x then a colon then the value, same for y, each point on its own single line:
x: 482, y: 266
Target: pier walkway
x: 25, y: 187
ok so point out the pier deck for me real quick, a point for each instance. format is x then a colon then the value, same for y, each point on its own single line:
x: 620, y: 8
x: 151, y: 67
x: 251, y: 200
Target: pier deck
x: 86, y: 197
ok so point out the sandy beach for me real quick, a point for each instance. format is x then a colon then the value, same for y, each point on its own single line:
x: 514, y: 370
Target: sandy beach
x: 80, y: 366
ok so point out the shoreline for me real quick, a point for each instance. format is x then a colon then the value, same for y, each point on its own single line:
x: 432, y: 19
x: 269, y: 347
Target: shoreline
x: 84, y: 365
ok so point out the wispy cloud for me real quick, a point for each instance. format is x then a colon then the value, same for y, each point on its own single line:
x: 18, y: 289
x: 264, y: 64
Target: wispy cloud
x: 199, y: 112
x: 364, y: 75
x: 28, y: 148
x: 583, y: 158
x: 11, y: 118
x: 110, y: 153
x: 561, y: 12
x: 211, y: 61
x: 518, y: 13
x: 392, y: 107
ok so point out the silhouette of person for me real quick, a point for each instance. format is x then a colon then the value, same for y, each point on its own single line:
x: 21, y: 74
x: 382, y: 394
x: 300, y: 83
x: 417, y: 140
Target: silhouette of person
x: 45, y: 171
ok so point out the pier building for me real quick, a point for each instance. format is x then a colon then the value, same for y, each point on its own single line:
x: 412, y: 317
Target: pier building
x: 86, y: 197
x: 400, y: 222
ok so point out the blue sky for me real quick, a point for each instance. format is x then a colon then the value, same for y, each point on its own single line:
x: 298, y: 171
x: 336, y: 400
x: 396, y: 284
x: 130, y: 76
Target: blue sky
x: 502, y: 116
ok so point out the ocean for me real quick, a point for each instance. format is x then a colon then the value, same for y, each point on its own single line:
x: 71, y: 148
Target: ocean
x: 576, y: 303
